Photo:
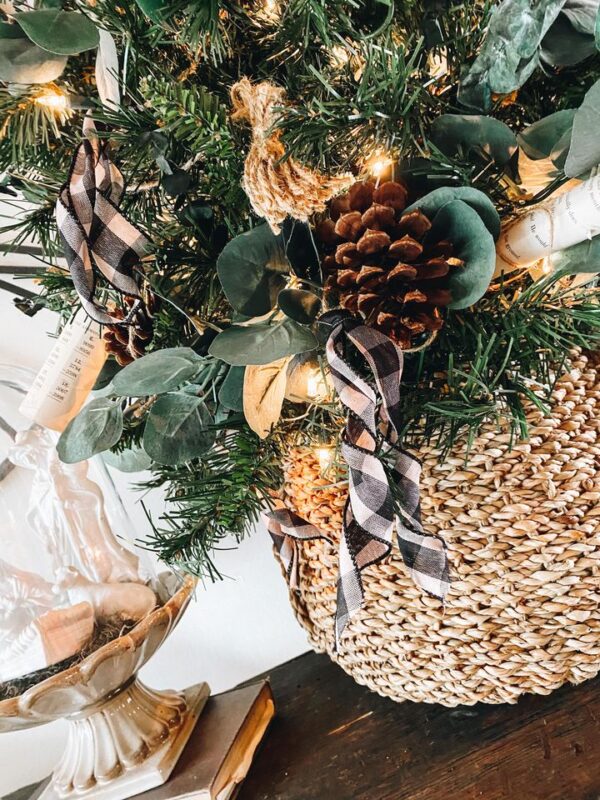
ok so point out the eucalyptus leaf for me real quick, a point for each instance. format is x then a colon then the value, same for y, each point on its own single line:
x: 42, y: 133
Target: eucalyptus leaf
x: 473, y: 244
x: 510, y: 52
x: 584, y: 152
x: 21, y: 61
x: 231, y: 392
x: 581, y: 14
x: 157, y: 372
x: 134, y: 459
x: 301, y: 250
x: 579, y: 258
x: 549, y: 137
x: 300, y: 305
x: 479, y: 202
x: 252, y: 270
x: 564, y: 45
x: 58, y: 31
x: 97, y: 427
x: 177, y: 429
x: 241, y: 345
x: 453, y: 133
x: 106, y: 374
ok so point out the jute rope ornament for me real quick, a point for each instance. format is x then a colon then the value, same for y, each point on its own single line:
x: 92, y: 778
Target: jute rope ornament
x: 277, y: 187
x: 522, y: 527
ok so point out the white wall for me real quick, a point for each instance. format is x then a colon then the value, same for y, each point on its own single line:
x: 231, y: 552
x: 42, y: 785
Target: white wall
x: 232, y: 631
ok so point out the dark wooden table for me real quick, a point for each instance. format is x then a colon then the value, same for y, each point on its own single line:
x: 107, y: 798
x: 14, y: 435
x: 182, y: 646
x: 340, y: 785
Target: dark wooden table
x: 335, y: 740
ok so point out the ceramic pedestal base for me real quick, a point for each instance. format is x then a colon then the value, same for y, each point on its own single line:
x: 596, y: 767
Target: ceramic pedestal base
x: 127, y: 744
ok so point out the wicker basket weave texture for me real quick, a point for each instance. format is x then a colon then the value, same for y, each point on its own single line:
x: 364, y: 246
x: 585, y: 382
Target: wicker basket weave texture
x: 522, y: 526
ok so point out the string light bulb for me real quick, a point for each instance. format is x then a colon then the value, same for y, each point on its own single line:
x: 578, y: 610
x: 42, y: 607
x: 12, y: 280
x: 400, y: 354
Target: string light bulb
x: 377, y: 163
x: 324, y: 454
x: 53, y: 98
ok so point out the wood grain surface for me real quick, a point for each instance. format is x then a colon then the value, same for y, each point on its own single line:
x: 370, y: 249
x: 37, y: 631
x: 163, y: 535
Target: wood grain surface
x: 334, y: 740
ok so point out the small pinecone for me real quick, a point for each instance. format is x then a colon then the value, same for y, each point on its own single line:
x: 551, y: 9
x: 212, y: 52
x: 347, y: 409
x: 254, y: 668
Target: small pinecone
x: 381, y: 266
x: 128, y: 342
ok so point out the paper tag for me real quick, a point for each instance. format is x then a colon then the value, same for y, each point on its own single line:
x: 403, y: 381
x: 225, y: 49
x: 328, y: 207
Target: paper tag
x: 65, y: 380
x: 571, y: 218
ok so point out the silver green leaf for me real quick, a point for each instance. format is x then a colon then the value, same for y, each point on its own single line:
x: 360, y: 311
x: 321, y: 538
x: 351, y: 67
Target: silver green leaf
x: 134, y: 459
x: 241, y: 345
x: 584, y: 152
x: 232, y: 389
x: 453, y: 134
x: 252, y: 269
x: 579, y: 258
x: 510, y: 52
x: 473, y: 244
x: 549, y: 137
x: 157, y: 372
x: 57, y: 31
x: 479, y: 202
x: 178, y: 429
x: 97, y: 427
x: 299, y: 305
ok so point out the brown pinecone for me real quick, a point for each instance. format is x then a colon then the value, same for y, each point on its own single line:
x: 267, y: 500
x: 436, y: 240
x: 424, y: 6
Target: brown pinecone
x: 380, y: 265
x: 128, y: 342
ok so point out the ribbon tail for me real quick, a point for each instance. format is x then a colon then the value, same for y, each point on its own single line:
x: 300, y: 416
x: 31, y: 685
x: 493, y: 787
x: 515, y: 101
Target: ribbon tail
x: 424, y: 554
x: 286, y: 529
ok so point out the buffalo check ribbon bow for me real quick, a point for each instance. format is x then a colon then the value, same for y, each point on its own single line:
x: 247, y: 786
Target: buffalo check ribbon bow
x: 97, y: 238
x: 370, y: 512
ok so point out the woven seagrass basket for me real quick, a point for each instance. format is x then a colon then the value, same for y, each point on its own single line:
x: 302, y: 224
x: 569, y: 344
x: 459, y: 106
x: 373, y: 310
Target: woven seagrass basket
x: 522, y: 525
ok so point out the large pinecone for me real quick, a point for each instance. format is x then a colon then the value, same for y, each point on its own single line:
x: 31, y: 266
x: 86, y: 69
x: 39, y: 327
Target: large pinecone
x: 128, y: 342
x: 380, y: 264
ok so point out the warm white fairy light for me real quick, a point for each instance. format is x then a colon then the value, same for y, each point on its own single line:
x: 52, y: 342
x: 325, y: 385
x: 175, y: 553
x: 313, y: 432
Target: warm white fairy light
x: 324, y: 454
x: 313, y: 386
x: 377, y: 163
x: 53, y: 98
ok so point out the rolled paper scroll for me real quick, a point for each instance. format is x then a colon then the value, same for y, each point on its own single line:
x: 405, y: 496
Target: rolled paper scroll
x: 569, y: 219
x: 67, y: 376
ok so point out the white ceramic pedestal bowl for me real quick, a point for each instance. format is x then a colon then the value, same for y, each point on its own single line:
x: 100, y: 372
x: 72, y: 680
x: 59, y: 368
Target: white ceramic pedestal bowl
x: 124, y: 738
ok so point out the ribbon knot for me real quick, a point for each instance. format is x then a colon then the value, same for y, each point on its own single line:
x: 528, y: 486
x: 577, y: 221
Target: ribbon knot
x: 371, y: 512
x: 96, y: 237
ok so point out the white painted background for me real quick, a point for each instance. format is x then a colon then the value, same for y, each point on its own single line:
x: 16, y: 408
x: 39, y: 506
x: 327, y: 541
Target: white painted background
x: 232, y: 631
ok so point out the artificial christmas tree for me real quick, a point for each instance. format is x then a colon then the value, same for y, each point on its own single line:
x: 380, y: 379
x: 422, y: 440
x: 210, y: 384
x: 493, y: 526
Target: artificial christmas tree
x: 348, y: 234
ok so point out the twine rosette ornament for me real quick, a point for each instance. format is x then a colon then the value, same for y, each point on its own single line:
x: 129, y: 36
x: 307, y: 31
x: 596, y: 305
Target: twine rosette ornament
x: 521, y: 522
x: 277, y: 187
x: 382, y: 267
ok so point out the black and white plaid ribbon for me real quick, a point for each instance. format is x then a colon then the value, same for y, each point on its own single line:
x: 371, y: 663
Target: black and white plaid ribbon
x: 369, y: 515
x: 96, y: 236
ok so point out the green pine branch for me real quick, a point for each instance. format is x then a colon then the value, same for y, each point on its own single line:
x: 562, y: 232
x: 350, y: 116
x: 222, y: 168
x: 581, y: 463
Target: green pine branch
x: 211, y: 500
